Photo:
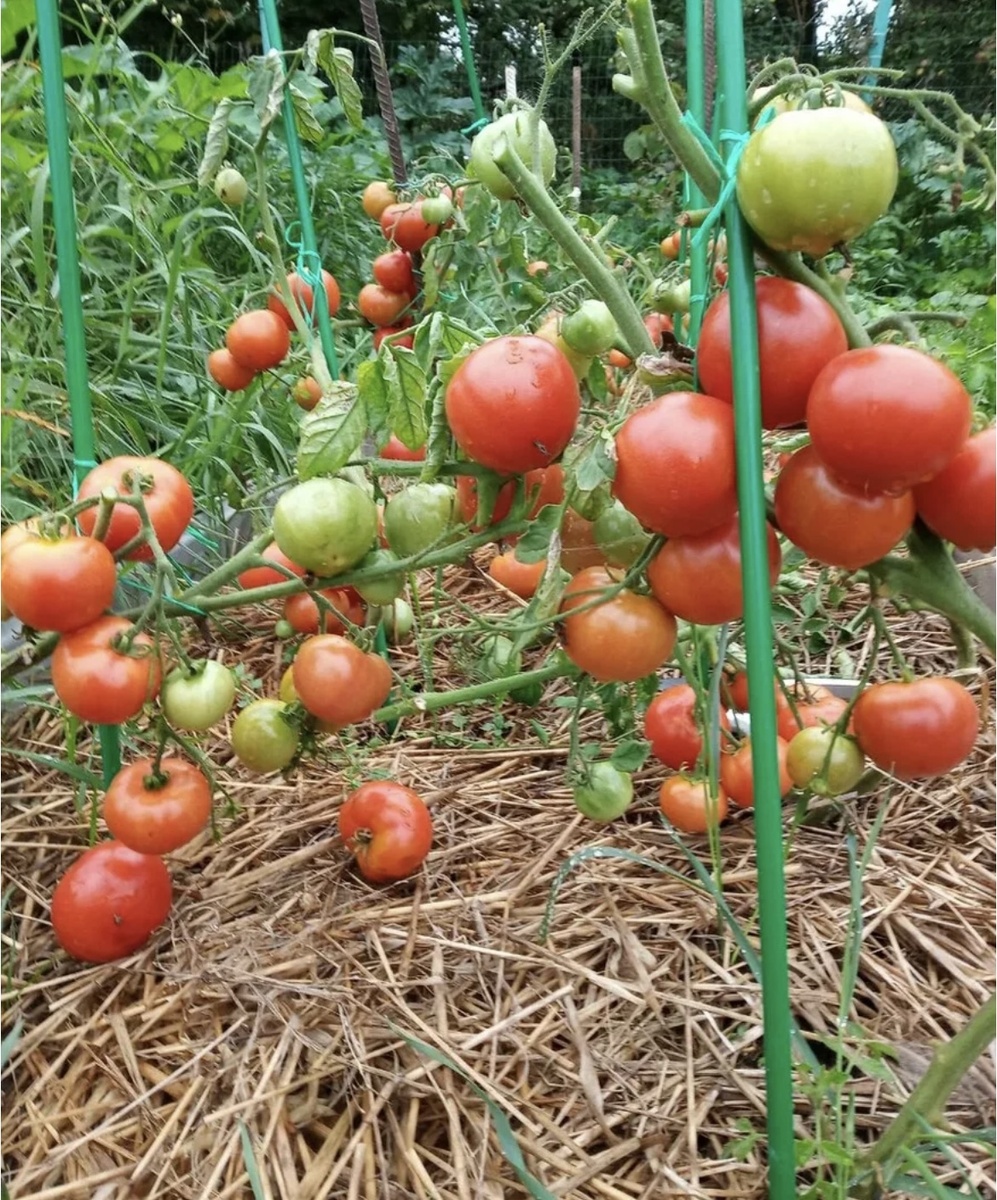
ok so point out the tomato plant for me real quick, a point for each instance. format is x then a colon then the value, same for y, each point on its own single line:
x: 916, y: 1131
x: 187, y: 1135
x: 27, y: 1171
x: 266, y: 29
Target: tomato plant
x: 884, y: 418
x: 264, y: 737
x: 228, y: 373
x: 380, y: 306
x: 198, y: 700
x: 698, y: 577
x: 109, y: 902
x: 603, y: 793
x: 513, y: 404
x: 155, y: 812
x: 257, y: 577
x: 325, y: 525
x: 60, y: 583
x: 621, y: 638
x: 304, y: 296
x: 302, y: 612
x: 394, y: 271
x: 99, y: 683
x: 419, y: 516
x: 824, y: 761
x: 798, y: 335
x: 813, y: 178
x: 833, y: 523
x: 688, y: 439
x: 337, y: 681
x: 671, y: 725
x: 545, y: 486
x: 736, y: 773
x: 387, y: 828
x: 916, y: 730
x: 522, y: 579
x: 167, y: 496
x: 258, y: 340
x: 958, y: 502
x: 516, y: 128
x: 688, y: 806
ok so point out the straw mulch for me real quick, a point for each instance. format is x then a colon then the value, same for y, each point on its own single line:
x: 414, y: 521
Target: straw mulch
x: 260, y: 1038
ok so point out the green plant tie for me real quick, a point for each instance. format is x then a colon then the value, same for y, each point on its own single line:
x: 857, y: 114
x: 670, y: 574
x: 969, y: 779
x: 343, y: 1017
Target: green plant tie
x: 475, y: 127
x: 308, y: 265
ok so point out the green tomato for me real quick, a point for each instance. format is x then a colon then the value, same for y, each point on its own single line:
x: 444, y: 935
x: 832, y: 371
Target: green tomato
x: 385, y: 588
x: 418, y: 517
x: 437, y: 210
x: 198, y: 701
x: 262, y: 739
x: 231, y: 187
x: 398, y: 620
x: 619, y: 535
x: 671, y: 297
x: 325, y: 525
x: 605, y: 793
x: 591, y: 329
x: 516, y: 127
x: 810, y: 179
x: 499, y: 660
x: 825, y: 762
x: 283, y: 629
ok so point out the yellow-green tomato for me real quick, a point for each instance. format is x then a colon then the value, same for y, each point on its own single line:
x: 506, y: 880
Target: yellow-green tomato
x: 231, y: 187
x: 516, y: 127
x: 199, y: 699
x: 812, y: 178
x: 605, y: 792
x: 418, y: 517
x: 398, y: 620
x: 263, y: 738
x: 826, y: 762
x: 325, y: 525
x: 382, y: 589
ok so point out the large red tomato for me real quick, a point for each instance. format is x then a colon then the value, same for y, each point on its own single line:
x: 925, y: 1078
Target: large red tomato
x: 916, y: 730
x: 59, y: 583
x: 168, y: 499
x: 884, y: 418
x: 109, y: 902
x: 97, y: 682
x: 675, y: 464
x: 958, y: 503
x: 337, y: 682
x: 258, y: 340
x: 393, y: 270
x: 513, y: 404
x: 698, y: 578
x: 388, y: 829
x: 798, y: 334
x: 671, y: 726
x: 832, y: 522
x: 155, y: 815
x: 620, y: 639
x: 380, y: 306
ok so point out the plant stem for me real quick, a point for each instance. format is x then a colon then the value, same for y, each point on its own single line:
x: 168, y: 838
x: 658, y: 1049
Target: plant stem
x: 429, y: 701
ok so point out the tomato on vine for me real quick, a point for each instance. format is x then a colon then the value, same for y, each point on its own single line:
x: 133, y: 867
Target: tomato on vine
x: 387, y: 828
x: 302, y: 612
x: 228, y: 373
x: 737, y: 778
x: 99, y: 682
x: 603, y: 792
x: 167, y: 496
x: 325, y: 525
x: 545, y: 486
x: 199, y: 698
x: 337, y: 681
x: 59, y: 584
x: 257, y: 577
x: 419, y: 516
x: 156, y: 811
x: 395, y: 272
x: 522, y: 579
x: 824, y: 761
x: 264, y: 737
x: 688, y: 805
x: 304, y: 296
x: 404, y: 225
x: 258, y: 340
x: 380, y: 306
x: 672, y: 726
x: 377, y: 196
x: 957, y: 503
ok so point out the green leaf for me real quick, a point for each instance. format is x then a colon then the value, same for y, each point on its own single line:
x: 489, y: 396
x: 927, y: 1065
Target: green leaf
x: 15, y: 17
x: 630, y: 756
x: 266, y: 87
x: 536, y: 542
x: 374, y: 395
x: 250, y: 1163
x: 60, y: 764
x: 332, y: 432
x: 594, y: 466
x: 337, y: 62
x: 9, y: 1043
x: 215, y: 144
x: 406, y: 383
x: 440, y: 440
x: 308, y: 125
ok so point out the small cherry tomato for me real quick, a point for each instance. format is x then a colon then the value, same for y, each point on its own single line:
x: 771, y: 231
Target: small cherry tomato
x: 263, y: 737
x: 306, y: 393
x: 388, y: 829
x: 96, y: 681
x: 603, y: 793
x: 377, y: 195
x: 155, y: 813
x: 522, y: 579
x: 227, y: 373
x: 688, y: 806
x: 824, y: 761
x: 671, y: 725
x: 258, y: 340
x: 736, y: 774
x: 198, y: 700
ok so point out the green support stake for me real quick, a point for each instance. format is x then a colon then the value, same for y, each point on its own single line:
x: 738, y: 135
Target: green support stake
x: 472, y: 75
x: 776, y: 1013
x: 880, y: 24
x: 270, y: 32
x: 695, y: 68
x: 70, y: 291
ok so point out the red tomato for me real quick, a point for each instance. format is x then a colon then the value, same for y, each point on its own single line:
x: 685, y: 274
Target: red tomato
x: 380, y: 306
x: 396, y: 450
x: 798, y: 335
x: 670, y: 725
x: 671, y: 244
x: 546, y: 485
x: 387, y: 827
x: 258, y: 340
x: 337, y: 681
x: 832, y: 522
x: 60, y: 584
x: 513, y: 404
x: 306, y: 393
x: 958, y: 503
x: 302, y: 612
x: 168, y: 499
x: 884, y: 418
x: 98, y: 683
x: 820, y: 710
x: 522, y: 579
x: 620, y: 639
x: 698, y: 578
x: 619, y: 360
x: 687, y: 439
x: 736, y: 774
x: 916, y: 730
x: 109, y: 901
x: 657, y: 325
x: 393, y: 270
x: 256, y: 577
x: 408, y: 341
x: 153, y: 816
x: 687, y: 805
x: 228, y: 373
x: 377, y: 196
x: 403, y: 225
x: 304, y: 295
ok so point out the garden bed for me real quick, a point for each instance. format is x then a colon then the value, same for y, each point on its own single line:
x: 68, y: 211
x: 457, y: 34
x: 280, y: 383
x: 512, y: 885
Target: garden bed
x: 263, y: 1042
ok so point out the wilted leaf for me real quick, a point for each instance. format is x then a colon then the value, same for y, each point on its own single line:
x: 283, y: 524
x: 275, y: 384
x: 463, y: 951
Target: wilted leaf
x: 406, y: 385
x: 215, y: 144
x: 308, y: 125
x: 535, y: 544
x: 266, y: 87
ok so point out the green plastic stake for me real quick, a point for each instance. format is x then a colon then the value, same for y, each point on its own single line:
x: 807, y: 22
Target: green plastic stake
x: 758, y: 630
x: 270, y: 33
x: 695, y: 65
x: 880, y: 24
x: 70, y: 291
x: 468, y: 54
